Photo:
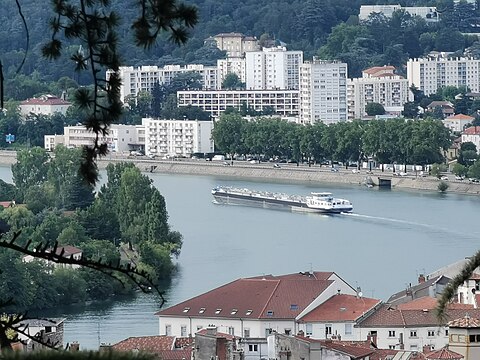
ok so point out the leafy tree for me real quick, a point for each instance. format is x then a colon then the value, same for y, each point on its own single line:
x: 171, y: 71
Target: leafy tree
x: 30, y: 169
x: 467, y: 153
x: 232, y: 82
x: 228, y: 134
x: 374, y: 108
x: 410, y: 110
x: 474, y: 170
x: 442, y: 186
x: 460, y: 170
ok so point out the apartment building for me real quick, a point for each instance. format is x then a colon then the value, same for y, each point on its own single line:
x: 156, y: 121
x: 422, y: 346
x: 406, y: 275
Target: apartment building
x: 177, y: 137
x: 428, y: 13
x: 283, y: 102
x: 432, y: 73
x: 273, y: 68
x: 380, y: 85
x: 236, y: 44
x: 120, y: 138
x: 144, y: 78
x: 227, y: 66
x: 323, y: 92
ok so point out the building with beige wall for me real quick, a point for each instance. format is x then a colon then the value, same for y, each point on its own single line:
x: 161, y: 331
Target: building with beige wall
x: 380, y: 85
x: 236, y: 44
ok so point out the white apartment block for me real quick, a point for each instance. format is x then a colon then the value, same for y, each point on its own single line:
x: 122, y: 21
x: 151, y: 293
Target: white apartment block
x: 323, y: 92
x: 283, y: 102
x: 144, y: 78
x: 230, y: 66
x: 236, y: 44
x: 428, y: 13
x: 177, y: 137
x: 380, y: 85
x: 120, y: 138
x: 273, y: 68
x: 431, y: 74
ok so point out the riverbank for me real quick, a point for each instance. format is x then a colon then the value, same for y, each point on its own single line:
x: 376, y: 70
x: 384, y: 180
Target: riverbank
x: 287, y: 172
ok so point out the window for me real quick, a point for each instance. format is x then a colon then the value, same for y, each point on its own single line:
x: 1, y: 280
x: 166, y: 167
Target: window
x: 391, y: 333
x: 328, y: 330
x: 253, y: 347
x: 269, y: 312
x: 246, y: 333
x: 231, y: 330
x: 183, y: 331
x: 48, y: 329
x: 268, y: 331
x: 199, y: 327
x: 168, y: 330
x: 348, y: 329
x: 201, y: 311
x: 249, y: 312
x: 233, y: 312
x: 288, y: 331
x: 218, y: 311
x: 413, y: 333
x: 431, y: 333
x: 391, y: 347
x: 308, y: 329
x: 293, y: 307
x: 185, y: 310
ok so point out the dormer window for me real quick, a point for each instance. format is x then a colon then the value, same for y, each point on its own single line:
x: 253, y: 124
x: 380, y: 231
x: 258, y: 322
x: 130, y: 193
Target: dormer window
x: 201, y: 311
x: 234, y: 311
x: 249, y: 312
x: 269, y: 312
x: 218, y: 311
x: 185, y: 310
x: 293, y: 307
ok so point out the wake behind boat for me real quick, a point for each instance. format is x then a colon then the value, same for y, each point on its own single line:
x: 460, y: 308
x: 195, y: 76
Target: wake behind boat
x: 320, y: 202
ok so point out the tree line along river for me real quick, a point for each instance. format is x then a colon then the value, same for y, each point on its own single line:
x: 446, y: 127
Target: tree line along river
x: 391, y: 237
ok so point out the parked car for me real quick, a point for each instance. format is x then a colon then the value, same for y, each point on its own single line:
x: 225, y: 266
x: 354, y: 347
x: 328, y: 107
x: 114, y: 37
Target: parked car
x: 334, y: 169
x: 276, y: 166
x: 444, y: 178
x: 459, y: 178
x: 355, y: 171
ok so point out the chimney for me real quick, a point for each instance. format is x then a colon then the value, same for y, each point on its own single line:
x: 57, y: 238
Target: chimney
x: 421, y: 278
x: 372, y: 339
x: 211, y: 330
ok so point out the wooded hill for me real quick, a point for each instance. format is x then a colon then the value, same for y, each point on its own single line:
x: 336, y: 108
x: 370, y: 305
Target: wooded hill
x: 300, y: 24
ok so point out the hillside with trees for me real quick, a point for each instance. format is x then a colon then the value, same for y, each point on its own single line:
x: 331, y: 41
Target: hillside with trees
x: 327, y: 28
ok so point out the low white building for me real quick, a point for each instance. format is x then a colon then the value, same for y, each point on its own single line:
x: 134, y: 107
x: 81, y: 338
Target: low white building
x: 428, y: 13
x: 177, y: 137
x: 253, y: 307
x: 472, y: 134
x: 44, y: 105
x: 283, y: 102
x: 457, y: 123
x: 120, y: 138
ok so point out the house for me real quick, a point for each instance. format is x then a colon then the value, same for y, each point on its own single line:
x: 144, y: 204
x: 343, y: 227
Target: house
x: 211, y: 344
x: 425, y: 287
x: 464, y: 337
x: 336, y: 317
x: 469, y: 291
x: 254, y: 307
x: 457, y: 123
x: 47, y: 331
x: 446, y: 106
x: 443, y: 353
x: 472, y: 134
x: 411, y: 329
x: 44, y: 105
x: 164, y: 347
x: 68, y: 251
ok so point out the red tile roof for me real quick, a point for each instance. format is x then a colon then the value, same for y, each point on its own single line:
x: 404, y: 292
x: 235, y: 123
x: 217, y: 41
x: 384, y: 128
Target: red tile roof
x: 181, y: 354
x: 429, y: 303
x: 475, y: 276
x: 466, y: 321
x: 266, y: 297
x: 472, y: 130
x: 217, y: 334
x: 68, y: 250
x: 151, y: 344
x: 444, y: 353
x: 376, y: 69
x: 45, y: 100
x: 355, y: 352
x: 387, y: 315
x: 341, y: 308
x: 460, y: 117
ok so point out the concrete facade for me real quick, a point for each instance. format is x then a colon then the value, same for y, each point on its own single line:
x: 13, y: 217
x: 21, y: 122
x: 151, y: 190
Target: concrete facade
x: 432, y: 73
x: 323, y: 92
x: 236, y: 44
x: 44, y: 105
x: 177, y: 137
x: 144, y: 78
x: 283, y: 102
x: 273, y: 68
x: 230, y: 66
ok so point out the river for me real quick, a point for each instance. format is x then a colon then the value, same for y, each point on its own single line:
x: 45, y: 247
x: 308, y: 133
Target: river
x: 391, y: 238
